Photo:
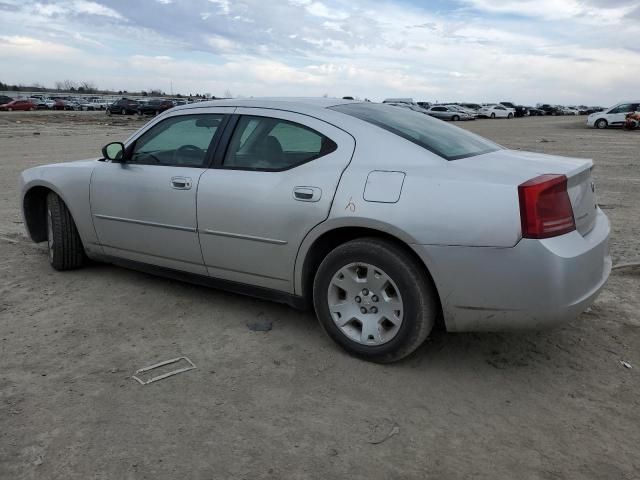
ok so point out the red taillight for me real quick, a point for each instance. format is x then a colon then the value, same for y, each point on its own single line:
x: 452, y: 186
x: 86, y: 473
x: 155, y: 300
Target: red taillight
x: 545, y: 208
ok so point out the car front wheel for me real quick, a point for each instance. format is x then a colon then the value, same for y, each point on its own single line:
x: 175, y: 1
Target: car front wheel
x: 65, y: 247
x: 374, y: 300
x: 602, y: 123
x: 493, y: 115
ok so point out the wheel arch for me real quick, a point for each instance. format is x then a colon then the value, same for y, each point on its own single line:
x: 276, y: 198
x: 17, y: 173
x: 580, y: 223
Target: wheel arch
x: 324, y: 242
x: 34, y: 210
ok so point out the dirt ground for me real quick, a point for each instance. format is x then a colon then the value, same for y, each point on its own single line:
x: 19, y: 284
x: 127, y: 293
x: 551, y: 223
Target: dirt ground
x: 288, y: 404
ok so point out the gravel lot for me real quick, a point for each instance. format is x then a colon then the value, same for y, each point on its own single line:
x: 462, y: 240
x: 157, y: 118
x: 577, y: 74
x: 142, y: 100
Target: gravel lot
x: 287, y: 403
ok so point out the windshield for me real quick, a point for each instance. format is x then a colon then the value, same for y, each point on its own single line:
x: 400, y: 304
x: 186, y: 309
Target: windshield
x: 435, y: 135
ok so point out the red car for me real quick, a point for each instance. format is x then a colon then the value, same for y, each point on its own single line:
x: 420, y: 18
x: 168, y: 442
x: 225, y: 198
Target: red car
x: 18, y: 105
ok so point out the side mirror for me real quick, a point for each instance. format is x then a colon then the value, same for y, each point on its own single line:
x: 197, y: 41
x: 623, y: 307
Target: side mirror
x: 113, y: 151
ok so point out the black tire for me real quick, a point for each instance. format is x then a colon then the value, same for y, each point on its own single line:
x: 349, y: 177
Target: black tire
x: 455, y: 118
x: 415, y: 287
x: 601, y: 123
x: 65, y: 247
x: 123, y: 112
x: 493, y: 115
x: 510, y: 116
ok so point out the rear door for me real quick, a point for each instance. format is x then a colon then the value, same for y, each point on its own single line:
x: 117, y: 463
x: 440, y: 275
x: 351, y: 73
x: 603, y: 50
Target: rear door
x: 145, y: 209
x: 275, y: 182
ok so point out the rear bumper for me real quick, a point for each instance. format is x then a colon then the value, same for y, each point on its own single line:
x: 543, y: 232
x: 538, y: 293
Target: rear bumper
x: 536, y: 284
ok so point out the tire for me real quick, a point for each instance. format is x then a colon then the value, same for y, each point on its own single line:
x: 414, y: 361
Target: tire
x: 9, y: 109
x: 397, y: 281
x: 510, y: 116
x: 455, y: 118
x: 123, y: 112
x: 601, y: 123
x: 32, y: 109
x: 65, y: 247
x: 493, y: 115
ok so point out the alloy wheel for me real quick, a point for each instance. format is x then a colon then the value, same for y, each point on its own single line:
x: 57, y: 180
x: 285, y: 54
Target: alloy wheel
x: 365, y: 304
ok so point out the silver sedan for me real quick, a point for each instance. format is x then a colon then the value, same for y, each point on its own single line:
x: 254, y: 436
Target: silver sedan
x: 445, y: 112
x: 382, y: 219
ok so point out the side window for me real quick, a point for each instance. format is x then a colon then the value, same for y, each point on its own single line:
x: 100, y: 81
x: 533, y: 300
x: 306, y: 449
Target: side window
x: 178, y: 141
x: 621, y: 109
x: 263, y: 143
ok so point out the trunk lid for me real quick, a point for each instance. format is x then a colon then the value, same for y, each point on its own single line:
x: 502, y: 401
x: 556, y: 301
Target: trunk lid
x: 518, y: 167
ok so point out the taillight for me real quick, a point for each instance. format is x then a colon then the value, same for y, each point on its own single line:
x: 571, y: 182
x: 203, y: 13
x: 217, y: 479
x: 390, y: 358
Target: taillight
x: 545, y: 208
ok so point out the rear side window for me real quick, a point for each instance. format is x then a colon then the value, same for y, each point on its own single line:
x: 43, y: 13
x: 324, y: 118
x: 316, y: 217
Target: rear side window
x: 272, y: 144
x: 447, y: 141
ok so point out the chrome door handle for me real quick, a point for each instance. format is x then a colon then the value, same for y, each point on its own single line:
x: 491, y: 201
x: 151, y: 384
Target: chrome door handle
x: 307, y: 194
x: 181, y: 183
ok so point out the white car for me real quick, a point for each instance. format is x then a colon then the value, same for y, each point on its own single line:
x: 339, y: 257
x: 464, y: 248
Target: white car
x: 495, y: 111
x: 613, y: 116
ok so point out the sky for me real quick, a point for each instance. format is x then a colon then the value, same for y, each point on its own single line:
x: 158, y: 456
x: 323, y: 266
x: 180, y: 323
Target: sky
x: 526, y: 51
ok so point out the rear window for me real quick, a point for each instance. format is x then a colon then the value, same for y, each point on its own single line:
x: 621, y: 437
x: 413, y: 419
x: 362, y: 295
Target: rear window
x: 437, y: 136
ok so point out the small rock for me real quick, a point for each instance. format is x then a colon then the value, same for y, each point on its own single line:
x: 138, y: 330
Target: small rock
x: 36, y: 133
x: 625, y: 364
x: 260, y: 326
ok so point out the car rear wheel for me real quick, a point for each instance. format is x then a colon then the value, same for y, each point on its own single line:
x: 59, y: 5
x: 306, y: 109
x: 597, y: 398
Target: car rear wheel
x: 123, y: 112
x: 65, y: 247
x: 510, y: 116
x: 493, y: 115
x: 374, y: 300
x: 9, y: 109
x: 602, y: 123
x: 455, y: 118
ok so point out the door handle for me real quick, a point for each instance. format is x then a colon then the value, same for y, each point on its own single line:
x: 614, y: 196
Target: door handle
x: 181, y: 183
x: 307, y: 194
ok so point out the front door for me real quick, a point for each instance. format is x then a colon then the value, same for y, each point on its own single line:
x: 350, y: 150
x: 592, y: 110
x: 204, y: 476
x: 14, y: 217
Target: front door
x: 617, y: 115
x: 275, y: 183
x: 145, y: 208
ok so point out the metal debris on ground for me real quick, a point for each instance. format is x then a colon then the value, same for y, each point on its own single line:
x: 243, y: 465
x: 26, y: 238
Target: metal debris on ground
x: 395, y: 430
x: 625, y: 364
x: 164, y: 375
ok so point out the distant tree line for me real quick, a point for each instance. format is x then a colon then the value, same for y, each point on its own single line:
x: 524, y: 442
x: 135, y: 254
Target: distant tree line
x: 87, y: 87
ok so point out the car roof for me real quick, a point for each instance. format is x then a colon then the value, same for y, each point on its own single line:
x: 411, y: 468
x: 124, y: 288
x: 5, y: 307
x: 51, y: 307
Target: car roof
x: 285, y: 103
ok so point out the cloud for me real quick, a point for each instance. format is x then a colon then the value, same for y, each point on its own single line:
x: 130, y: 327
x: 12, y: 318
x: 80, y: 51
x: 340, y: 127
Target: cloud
x: 482, y: 50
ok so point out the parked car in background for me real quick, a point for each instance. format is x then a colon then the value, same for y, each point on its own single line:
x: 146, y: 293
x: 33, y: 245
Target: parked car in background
x: 569, y: 111
x: 58, y: 104
x: 522, y: 111
x: 535, y: 112
x: 92, y: 103
x: 124, y: 106
x: 299, y: 204
x: 399, y: 100
x: 467, y: 111
x: 424, y: 105
x: 495, y: 111
x: 4, y: 99
x: 551, y: 109
x: 16, y: 105
x: 39, y: 102
x: 154, y: 107
x: 510, y: 105
x: 444, y: 112
x: 471, y: 106
x: 614, y: 116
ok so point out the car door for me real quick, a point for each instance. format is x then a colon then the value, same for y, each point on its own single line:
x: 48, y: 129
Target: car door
x: 275, y: 182
x: 145, y: 208
x: 617, y: 115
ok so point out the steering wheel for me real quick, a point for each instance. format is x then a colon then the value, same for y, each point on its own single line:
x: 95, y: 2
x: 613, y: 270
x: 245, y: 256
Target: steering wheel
x: 186, y: 149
